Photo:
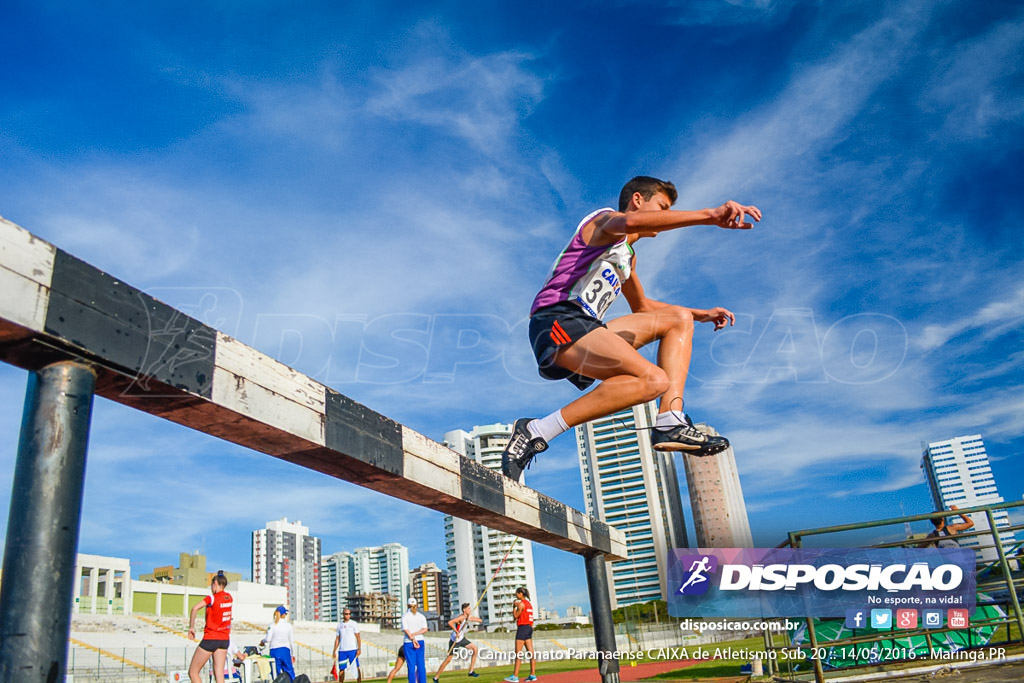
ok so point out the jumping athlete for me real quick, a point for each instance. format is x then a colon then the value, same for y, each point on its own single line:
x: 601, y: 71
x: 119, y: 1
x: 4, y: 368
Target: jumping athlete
x: 571, y: 341
x: 458, y: 625
x: 216, y: 634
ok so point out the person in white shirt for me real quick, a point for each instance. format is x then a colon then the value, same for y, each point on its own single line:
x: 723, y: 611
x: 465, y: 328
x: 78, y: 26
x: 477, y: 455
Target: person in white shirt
x: 414, y: 625
x: 347, y: 645
x: 280, y: 638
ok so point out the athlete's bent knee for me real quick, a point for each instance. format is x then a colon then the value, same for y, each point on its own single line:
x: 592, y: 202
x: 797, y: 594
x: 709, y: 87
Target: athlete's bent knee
x: 655, y: 384
x: 679, y: 316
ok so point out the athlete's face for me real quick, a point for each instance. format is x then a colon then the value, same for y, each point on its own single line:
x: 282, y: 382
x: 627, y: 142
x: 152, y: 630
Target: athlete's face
x: 659, y: 201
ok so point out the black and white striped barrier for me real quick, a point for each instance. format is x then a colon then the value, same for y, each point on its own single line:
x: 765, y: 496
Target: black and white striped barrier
x: 55, y: 307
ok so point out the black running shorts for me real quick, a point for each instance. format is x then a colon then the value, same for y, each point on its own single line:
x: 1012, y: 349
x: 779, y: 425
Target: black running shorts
x: 524, y: 632
x: 553, y: 327
x: 452, y: 644
x: 213, y: 645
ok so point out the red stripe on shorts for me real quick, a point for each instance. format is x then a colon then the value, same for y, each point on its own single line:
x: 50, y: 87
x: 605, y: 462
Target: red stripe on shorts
x: 559, y: 335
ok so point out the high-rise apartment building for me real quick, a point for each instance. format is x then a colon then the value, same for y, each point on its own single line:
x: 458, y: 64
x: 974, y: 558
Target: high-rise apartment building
x: 377, y: 570
x: 716, y: 499
x: 284, y: 554
x: 428, y: 583
x: 959, y: 473
x: 632, y: 488
x: 474, y: 552
x: 336, y: 584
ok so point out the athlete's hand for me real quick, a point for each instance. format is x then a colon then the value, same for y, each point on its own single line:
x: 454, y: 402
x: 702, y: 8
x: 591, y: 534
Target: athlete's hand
x: 731, y: 215
x: 721, y: 317
x: 191, y: 634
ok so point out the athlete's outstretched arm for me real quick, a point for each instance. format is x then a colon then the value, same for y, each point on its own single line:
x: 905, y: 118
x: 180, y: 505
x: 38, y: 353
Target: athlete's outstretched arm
x: 730, y: 215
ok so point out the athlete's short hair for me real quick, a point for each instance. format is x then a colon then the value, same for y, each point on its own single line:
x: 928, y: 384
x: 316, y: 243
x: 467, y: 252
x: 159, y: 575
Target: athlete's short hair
x: 646, y: 186
x: 465, y: 605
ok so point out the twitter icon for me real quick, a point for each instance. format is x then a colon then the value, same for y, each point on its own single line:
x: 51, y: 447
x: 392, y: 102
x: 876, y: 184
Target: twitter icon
x: 881, y: 618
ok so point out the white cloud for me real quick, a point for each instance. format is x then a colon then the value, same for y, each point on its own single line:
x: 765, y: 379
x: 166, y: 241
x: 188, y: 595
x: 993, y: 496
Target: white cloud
x: 479, y: 98
x: 991, y: 319
x: 319, y: 116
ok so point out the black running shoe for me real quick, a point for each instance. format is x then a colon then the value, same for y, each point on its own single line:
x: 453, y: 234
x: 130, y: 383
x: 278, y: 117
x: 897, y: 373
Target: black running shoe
x: 687, y: 438
x: 521, y: 449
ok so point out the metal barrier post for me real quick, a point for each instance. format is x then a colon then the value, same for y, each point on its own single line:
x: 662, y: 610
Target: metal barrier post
x: 1006, y: 573
x: 42, y: 529
x: 601, y: 610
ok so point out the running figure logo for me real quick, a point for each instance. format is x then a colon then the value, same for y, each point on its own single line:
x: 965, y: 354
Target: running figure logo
x: 698, y: 568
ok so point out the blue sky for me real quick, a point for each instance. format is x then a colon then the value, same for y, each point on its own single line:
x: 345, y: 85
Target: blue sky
x: 372, y: 192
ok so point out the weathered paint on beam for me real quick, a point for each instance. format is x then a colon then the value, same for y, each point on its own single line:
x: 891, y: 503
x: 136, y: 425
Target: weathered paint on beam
x: 150, y: 356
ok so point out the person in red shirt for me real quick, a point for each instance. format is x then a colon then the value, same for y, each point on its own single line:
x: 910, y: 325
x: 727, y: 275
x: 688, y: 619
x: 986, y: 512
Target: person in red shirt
x: 216, y: 635
x: 522, y: 610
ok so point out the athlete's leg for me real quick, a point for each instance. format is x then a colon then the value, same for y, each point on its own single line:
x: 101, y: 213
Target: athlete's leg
x: 673, y: 325
x: 220, y: 657
x: 440, y: 669
x: 515, y: 670
x: 627, y: 377
x: 399, y: 663
x: 475, y: 650
x: 199, y: 660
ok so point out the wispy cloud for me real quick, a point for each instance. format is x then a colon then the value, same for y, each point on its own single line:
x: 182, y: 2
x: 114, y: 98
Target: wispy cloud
x: 977, y: 84
x: 479, y: 98
x: 990, y: 320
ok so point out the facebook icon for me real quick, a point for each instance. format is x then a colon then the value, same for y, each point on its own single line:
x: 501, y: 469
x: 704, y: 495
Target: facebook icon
x: 856, y: 618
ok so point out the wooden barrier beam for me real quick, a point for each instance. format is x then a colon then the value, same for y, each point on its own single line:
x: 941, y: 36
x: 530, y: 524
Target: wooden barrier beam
x: 152, y: 357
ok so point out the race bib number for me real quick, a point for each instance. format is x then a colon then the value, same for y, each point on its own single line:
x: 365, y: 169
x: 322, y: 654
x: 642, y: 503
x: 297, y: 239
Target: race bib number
x: 599, y: 292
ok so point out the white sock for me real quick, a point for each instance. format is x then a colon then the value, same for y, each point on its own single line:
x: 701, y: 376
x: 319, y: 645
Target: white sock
x: 672, y: 418
x: 548, y: 427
